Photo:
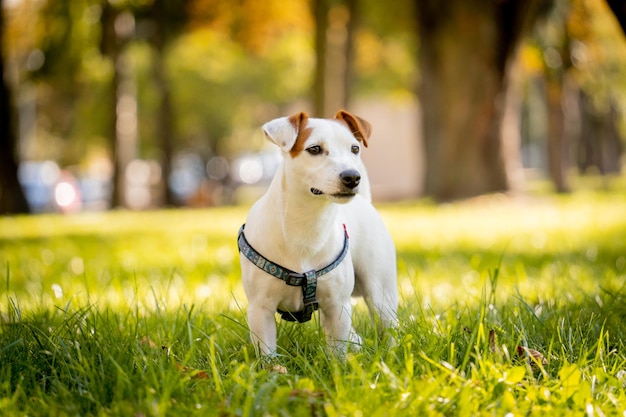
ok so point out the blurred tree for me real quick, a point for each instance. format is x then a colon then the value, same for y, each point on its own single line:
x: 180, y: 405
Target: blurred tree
x: 555, y: 45
x: 385, y: 49
x: 77, y: 82
x: 55, y: 72
x: 58, y: 41
x: 253, y: 24
x: 335, y: 25
x: 467, y: 51
x: 353, y: 16
x: 320, y: 13
x: 598, y: 56
x: 619, y: 10
x: 600, y: 147
x: 157, y: 22
x: 167, y: 20
x: 582, y: 51
x: 111, y: 45
x: 249, y: 59
x: 12, y: 198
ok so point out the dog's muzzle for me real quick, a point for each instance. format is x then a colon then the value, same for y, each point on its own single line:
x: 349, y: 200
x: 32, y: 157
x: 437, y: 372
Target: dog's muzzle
x: 350, y: 178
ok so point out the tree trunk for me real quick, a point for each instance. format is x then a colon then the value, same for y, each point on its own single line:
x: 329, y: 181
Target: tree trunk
x: 334, y: 49
x: 618, y: 7
x: 161, y: 14
x: 466, y: 51
x: 320, y: 13
x: 354, y: 10
x: 165, y: 131
x: 109, y: 45
x: 511, y: 132
x: 558, y: 149
x: 117, y: 180
x: 599, y: 145
x: 12, y: 199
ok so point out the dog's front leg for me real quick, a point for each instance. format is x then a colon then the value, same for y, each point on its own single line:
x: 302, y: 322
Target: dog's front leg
x: 336, y: 321
x: 262, y: 329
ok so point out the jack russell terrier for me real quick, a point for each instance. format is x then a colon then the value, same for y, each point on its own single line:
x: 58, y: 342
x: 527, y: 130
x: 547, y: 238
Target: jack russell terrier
x: 314, y: 239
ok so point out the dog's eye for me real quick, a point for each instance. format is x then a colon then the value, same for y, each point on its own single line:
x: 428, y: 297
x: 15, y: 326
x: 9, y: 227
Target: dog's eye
x: 314, y: 150
x: 356, y: 149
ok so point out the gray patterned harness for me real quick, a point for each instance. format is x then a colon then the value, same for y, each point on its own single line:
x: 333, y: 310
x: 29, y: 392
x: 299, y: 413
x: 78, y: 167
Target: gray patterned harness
x: 306, y: 280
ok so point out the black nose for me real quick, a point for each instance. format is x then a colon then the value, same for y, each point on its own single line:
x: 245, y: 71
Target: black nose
x: 350, y: 178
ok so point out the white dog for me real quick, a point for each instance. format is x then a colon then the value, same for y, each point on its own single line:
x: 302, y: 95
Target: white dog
x: 314, y: 239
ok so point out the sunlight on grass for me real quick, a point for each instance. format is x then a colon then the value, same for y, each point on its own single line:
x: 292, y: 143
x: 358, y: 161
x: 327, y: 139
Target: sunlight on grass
x: 157, y: 258
x: 143, y: 314
x: 448, y: 252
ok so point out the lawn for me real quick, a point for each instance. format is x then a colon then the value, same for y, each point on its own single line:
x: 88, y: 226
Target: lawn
x: 143, y: 314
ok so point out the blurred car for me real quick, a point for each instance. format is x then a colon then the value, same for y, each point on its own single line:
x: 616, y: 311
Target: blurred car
x: 38, y: 179
x: 48, y: 188
x: 251, y: 173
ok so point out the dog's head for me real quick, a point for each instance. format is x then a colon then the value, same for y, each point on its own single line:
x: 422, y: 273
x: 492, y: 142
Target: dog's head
x: 322, y: 156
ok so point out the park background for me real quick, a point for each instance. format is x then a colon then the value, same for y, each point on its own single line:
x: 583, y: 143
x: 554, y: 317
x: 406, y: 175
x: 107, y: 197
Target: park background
x: 143, y: 104
x: 129, y: 130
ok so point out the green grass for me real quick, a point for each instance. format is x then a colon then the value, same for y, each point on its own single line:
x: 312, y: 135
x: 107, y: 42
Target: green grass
x: 143, y: 314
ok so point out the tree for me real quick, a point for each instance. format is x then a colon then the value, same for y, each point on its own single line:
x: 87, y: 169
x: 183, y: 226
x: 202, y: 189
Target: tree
x: 167, y: 21
x: 467, y: 52
x: 12, y: 199
x: 619, y: 10
x: 598, y: 57
x: 159, y: 23
x: 335, y: 26
x: 48, y: 45
x: 110, y: 46
x: 557, y: 66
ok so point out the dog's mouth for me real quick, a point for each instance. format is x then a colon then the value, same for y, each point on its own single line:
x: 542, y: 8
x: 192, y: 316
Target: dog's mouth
x: 339, y: 195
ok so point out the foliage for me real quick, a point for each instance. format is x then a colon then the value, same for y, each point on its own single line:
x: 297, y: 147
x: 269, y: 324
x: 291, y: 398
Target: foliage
x: 236, y: 87
x: 235, y: 65
x: 225, y: 64
x: 386, y: 44
x: 581, y: 42
x: 598, y: 54
x: 143, y: 314
x: 53, y: 56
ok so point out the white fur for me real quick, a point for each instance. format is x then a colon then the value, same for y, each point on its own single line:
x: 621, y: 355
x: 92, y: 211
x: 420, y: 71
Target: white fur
x: 293, y: 227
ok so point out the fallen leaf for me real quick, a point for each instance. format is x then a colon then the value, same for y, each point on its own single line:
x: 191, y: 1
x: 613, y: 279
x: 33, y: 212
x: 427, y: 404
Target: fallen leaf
x: 146, y: 341
x: 534, y: 356
x: 193, y: 373
x: 279, y: 369
x: 492, y: 341
x: 306, y: 393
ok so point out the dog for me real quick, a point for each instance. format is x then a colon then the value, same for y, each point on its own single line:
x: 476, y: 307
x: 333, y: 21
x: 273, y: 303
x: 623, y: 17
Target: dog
x: 314, y: 240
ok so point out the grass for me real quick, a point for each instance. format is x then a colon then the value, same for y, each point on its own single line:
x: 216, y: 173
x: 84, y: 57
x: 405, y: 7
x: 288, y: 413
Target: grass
x: 143, y: 314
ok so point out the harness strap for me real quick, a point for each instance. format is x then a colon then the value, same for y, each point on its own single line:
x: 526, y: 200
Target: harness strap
x: 306, y: 280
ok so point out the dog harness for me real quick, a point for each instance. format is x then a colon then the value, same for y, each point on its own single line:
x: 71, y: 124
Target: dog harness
x: 306, y: 280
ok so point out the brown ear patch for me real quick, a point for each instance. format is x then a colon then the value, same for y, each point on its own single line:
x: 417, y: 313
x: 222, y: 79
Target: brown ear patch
x: 299, y: 122
x: 360, y: 128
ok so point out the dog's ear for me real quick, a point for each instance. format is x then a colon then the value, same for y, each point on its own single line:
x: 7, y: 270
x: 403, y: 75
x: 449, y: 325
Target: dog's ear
x: 360, y: 128
x: 284, y: 131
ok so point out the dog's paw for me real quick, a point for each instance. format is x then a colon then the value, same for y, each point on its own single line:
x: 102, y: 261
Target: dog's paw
x: 355, y: 341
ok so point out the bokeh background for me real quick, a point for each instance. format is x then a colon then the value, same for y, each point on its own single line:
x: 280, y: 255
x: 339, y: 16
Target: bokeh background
x: 142, y: 104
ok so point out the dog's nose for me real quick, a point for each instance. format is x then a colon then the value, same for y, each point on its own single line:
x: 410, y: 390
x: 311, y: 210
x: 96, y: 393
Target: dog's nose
x: 350, y: 178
